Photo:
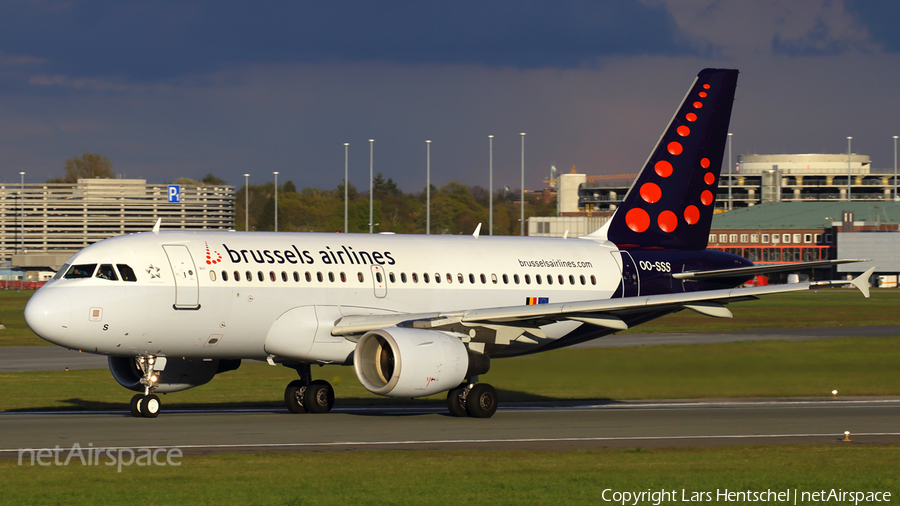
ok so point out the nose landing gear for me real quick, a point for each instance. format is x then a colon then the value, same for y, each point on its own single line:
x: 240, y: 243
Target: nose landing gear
x: 146, y: 405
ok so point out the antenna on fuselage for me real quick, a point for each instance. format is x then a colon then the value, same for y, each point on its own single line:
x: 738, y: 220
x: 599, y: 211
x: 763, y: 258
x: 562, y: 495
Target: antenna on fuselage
x: 156, y: 227
x: 477, y: 231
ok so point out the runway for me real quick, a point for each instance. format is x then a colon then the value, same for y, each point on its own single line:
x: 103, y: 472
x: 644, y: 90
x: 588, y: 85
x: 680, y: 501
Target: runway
x: 54, y: 358
x: 558, y: 426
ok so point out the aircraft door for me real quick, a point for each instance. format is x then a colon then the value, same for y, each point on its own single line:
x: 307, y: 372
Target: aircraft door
x: 631, y: 283
x: 379, y: 280
x: 187, y: 283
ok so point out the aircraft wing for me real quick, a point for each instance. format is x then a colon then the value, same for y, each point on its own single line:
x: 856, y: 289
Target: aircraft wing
x: 758, y: 269
x: 604, y: 313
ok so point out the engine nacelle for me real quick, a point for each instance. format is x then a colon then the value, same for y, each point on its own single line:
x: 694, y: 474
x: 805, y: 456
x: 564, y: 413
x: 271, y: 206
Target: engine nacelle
x: 406, y: 362
x: 179, y: 374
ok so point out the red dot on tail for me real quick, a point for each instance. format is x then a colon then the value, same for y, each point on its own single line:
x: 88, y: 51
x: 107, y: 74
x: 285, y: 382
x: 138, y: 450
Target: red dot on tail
x: 704, y: 162
x: 691, y: 116
x: 702, y: 94
x: 698, y: 105
x: 663, y: 168
x: 691, y: 215
x: 709, y: 178
x: 651, y: 193
x: 705, y: 86
x: 667, y: 221
x: 706, y: 197
x: 675, y: 148
x: 637, y: 220
x: 683, y: 131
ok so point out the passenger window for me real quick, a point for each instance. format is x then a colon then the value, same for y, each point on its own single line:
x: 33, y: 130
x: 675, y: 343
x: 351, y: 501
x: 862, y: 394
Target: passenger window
x: 259, y: 276
x: 471, y: 278
x: 537, y: 279
x: 571, y: 279
x: 308, y: 277
x: 403, y: 277
x: 391, y: 276
x: 528, y: 279
x: 426, y: 277
x: 449, y: 278
x: 81, y: 271
x: 593, y: 280
x: 516, y: 278
x: 359, y: 276
x: 284, y: 276
x: 549, y: 279
x: 128, y: 273
x: 505, y: 279
x: 494, y: 278
x: 331, y: 277
x: 212, y: 275
x: 106, y: 271
x: 561, y: 280
x: 483, y: 279
x: 437, y: 277
x: 249, y: 276
x: 378, y: 277
x: 582, y: 279
x: 343, y: 278
x: 415, y: 277
x: 459, y: 277
x: 320, y: 277
x: 224, y: 275
x: 296, y: 277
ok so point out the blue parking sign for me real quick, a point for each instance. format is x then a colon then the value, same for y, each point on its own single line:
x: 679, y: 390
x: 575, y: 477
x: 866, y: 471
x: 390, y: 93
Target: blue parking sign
x: 174, y: 193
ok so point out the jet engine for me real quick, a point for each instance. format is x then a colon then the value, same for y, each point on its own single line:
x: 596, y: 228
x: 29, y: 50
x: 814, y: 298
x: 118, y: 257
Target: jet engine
x: 407, y: 362
x: 178, y: 374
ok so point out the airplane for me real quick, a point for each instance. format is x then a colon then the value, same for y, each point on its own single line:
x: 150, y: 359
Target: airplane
x: 414, y: 315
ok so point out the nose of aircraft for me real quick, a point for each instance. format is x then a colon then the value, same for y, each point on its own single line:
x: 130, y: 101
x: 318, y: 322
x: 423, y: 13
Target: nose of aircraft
x: 49, y: 313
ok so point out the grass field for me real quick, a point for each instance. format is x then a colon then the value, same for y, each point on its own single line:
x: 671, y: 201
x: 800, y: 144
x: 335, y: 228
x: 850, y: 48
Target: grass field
x: 459, y: 477
x: 823, y: 308
x: 750, y: 369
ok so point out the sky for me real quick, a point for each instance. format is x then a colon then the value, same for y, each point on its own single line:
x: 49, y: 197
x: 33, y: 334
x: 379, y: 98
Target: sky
x: 170, y: 89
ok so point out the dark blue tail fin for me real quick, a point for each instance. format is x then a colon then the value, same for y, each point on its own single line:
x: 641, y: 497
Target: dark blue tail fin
x: 671, y: 202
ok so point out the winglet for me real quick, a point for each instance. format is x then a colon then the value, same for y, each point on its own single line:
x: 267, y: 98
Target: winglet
x: 156, y: 227
x: 862, y: 282
x: 477, y: 231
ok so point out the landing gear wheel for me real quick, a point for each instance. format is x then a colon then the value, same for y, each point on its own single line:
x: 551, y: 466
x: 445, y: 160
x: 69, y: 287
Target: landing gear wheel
x: 455, y: 402
x: 135, y: 405
x: 481, y: 401
x: 293, y: 396
x: 150, y: 406
x: 318, y: 397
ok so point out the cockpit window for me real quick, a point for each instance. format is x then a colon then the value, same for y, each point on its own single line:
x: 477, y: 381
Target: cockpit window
x: 62, y: 271
x: 80, y: 271
x: 106, y: 271
x: 127, y: 272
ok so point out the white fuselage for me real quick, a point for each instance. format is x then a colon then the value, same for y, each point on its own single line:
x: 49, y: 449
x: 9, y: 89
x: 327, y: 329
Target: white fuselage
x: 222, y: 294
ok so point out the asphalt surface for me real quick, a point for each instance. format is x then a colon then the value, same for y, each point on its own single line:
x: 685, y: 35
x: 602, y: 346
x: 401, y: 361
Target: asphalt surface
x: 53, y: 358
x: 560, y: 426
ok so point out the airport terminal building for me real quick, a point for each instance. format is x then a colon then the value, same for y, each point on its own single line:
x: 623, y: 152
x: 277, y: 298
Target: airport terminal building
x: 42, y: 224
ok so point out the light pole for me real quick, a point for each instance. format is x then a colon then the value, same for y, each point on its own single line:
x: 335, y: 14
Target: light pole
x: 246, y: 202
x: 730, y: 203
x: 371, y: 195
x: 427, y: 187
x: 491, y: 184
x: 276, y: 201
x: 895, y: 168
x: 346, y: 183
x: 522, y: 212
x: 22, y: 213
x: 849, y: 139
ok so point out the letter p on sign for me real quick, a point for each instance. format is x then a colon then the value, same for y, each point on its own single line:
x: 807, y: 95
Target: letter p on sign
x: 174, y: 194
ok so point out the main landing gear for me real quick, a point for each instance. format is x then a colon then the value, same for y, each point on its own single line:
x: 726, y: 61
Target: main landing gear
x: 478, y: 400
x: 146, y: 405
x: 307, y: 396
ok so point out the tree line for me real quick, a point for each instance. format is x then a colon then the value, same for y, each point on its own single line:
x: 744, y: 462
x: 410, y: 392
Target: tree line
x: 455, y: 207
